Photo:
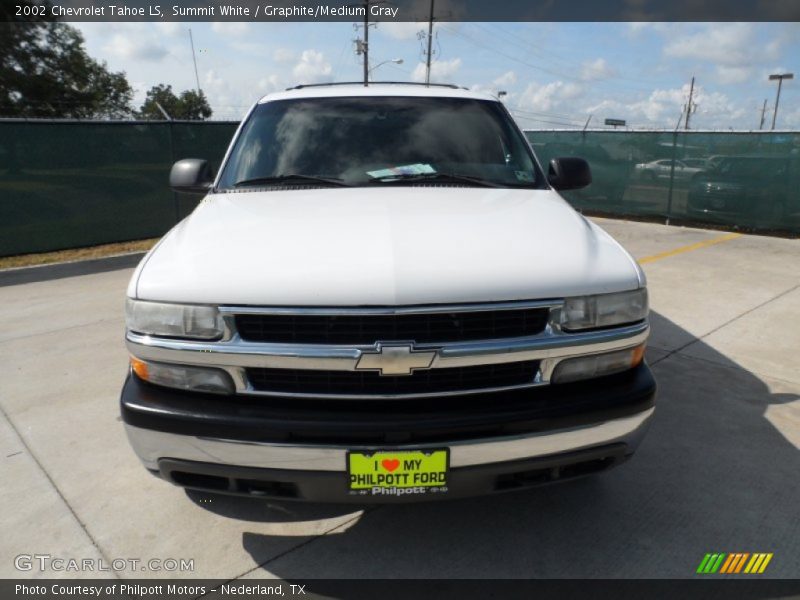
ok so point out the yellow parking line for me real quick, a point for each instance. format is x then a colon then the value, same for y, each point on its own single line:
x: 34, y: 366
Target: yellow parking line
x: 690, y: 247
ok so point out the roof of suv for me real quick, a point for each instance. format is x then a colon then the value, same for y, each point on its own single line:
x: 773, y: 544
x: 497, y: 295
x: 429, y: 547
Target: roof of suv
x: 376, y: 89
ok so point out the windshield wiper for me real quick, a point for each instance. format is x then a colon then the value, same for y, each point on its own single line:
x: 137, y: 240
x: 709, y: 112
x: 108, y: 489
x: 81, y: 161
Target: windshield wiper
x: 438, y: 177
x: 289, y: 178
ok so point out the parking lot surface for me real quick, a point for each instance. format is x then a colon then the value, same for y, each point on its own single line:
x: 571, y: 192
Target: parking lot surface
x: 718, y: 471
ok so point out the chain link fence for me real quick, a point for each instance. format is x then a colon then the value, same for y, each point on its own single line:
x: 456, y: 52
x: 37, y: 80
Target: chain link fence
x: 747, y: 180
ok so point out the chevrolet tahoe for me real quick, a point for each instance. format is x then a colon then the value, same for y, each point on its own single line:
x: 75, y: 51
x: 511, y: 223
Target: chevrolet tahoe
x: 382, y: 297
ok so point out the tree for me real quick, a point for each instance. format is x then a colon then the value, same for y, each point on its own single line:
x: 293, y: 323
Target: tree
x: 46, y: 72
x: 190, y: 105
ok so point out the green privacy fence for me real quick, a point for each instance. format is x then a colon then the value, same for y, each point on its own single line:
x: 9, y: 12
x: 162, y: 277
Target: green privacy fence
x: 67, y: 184
x: 745, y: 180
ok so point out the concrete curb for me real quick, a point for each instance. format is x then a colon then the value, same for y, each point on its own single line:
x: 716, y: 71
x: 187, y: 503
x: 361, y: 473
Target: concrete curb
x: 20, y: 275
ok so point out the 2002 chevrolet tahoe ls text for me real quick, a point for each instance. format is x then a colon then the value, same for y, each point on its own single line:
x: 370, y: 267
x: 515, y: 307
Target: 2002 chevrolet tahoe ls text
x: 383, y: 298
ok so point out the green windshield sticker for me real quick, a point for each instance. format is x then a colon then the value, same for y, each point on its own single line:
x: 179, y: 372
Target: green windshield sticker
x: 415, y: 169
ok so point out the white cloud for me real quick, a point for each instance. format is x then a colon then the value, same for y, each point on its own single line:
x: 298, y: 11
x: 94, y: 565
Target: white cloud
x: 730, y: 44
x: 663, y: 108
x: 502, y: 83
x: 544, y: 98
x: 788, y: 119
x: 442, y: 71
x: 312, y: 68
x: 401, y: 30
x: 728, y: 75
x: 213, y: 80
x: 230, y: 28
x: 596, y: 69
x: 136, y: 47
x: 172, y: 28
x: 636, y: 28
x: 506, y: 79
x: 283, y: 55
x: 271, y: 83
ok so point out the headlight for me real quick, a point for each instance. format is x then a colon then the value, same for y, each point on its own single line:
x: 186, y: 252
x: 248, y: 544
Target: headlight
x: 173, y: 320
x: 197, y: 379
x: 597, y: 365
x: 604, y: 310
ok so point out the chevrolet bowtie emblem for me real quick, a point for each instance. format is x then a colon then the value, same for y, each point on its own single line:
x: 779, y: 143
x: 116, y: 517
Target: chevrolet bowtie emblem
x: 398, y: 359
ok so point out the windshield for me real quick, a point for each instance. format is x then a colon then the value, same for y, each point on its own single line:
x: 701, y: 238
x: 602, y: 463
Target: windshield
x: 380, y: 141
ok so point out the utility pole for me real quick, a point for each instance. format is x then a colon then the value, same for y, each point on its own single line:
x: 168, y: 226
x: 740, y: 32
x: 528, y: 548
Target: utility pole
x: 362, y: 46
x: 689, y: 106
x: 780, y: 77
x: 194, y: 59
x: 763, y: 114
x: 366, y: 43
x: 430, y: 42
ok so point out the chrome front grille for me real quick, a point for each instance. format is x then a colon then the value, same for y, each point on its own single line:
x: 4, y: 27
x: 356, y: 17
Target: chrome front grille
x: 419, y: 383
x: 366, y: 329
x: 388, y: 352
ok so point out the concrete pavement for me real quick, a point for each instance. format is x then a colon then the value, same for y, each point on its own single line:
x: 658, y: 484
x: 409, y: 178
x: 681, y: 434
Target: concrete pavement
x: 718, y: 471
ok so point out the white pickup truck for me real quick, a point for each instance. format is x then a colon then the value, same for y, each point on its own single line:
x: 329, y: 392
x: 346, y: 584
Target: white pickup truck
x: 382, y: 298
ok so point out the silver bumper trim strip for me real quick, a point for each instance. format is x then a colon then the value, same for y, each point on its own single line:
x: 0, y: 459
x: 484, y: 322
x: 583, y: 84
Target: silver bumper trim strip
x: 237, y: 353
x: 151, y: 446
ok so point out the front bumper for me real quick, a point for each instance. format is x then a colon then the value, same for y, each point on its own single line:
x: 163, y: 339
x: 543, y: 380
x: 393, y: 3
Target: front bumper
x: 292, y: 449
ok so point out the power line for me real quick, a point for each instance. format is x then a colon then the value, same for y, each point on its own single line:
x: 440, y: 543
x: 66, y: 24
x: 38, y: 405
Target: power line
x: 555, y: 73
x: 530, y: 46
x: 522, y: 116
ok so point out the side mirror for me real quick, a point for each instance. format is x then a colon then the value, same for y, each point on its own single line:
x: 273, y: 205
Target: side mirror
x: 191, y: 176
x: 569, y: 173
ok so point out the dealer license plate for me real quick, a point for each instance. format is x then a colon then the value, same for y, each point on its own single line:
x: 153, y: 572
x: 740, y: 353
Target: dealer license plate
x: 389, y: 473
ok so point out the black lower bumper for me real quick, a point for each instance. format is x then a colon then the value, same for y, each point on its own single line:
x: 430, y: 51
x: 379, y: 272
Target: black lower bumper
x: 380, y: 422
x: 432, y: 422
x: 332, y: 486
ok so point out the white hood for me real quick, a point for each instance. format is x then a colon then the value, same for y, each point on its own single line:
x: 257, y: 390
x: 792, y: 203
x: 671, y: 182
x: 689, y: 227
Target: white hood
x: 383, y: 246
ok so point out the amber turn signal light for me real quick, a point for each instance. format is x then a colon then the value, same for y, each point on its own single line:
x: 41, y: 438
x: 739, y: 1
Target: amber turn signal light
x: 139, y: 367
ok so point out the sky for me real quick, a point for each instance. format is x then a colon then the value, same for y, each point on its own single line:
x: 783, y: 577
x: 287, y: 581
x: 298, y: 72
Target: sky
x: 556, y: 75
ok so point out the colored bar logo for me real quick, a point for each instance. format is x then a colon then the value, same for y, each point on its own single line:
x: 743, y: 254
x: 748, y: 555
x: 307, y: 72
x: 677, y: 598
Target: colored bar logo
x: 736, y: 562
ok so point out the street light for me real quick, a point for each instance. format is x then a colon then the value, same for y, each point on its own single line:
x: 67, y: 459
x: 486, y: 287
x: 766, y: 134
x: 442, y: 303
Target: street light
x: 780, y: 77
x: 396, y: 61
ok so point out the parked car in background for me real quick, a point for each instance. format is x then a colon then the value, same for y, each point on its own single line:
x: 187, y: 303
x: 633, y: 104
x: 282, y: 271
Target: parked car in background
x: 696, y: 163
x: 662, y: 169
x: 760, y: 191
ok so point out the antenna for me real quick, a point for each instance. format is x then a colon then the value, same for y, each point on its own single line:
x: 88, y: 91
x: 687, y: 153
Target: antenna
x: 194, y: 59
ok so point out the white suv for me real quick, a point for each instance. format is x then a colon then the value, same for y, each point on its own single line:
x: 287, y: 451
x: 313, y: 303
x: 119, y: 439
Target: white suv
x: 382, y: 297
